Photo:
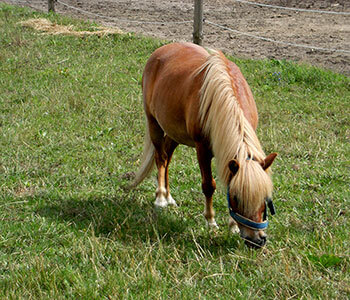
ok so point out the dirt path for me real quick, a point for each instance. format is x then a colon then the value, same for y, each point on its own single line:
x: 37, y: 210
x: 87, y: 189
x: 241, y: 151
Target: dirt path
x: 331, y: 31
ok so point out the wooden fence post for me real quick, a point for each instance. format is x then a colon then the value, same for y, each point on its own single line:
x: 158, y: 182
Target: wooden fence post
x: 198, y: 22
x: 51, y: 5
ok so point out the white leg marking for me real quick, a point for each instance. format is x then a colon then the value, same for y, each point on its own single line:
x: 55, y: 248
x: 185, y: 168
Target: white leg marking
x: 212, y: 224
x: 233, y: 225
x: 171, y: 201
x: 161, y: 201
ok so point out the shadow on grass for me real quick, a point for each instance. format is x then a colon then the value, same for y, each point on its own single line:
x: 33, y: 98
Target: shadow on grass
x: 129, y: 220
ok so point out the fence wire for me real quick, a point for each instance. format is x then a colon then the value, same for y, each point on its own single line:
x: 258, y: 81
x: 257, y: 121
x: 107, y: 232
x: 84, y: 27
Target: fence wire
x: 275, y: 41
x: 123, y: 20
x: 294, y: 8
x: 22, y: 2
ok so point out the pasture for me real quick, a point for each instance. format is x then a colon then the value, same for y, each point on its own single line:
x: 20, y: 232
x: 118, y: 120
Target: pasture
x: 72, y: 129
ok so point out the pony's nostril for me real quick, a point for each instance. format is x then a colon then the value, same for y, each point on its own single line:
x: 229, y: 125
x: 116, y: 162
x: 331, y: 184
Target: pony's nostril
x: 258, y: 243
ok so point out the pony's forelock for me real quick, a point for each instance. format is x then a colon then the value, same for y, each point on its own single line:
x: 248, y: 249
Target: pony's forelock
x: 251, y: 185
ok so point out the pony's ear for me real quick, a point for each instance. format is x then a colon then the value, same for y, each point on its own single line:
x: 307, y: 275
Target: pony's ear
x: 233, y: 165
x: 267, y: 162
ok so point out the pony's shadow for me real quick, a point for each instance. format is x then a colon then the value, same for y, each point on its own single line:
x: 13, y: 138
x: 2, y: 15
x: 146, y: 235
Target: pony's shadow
x: 129, y: 220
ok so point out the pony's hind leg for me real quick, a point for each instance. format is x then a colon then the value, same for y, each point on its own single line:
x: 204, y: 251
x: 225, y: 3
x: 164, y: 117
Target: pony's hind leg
x: 204, y: 157
x: 170, y: 146
x: 164, y: 147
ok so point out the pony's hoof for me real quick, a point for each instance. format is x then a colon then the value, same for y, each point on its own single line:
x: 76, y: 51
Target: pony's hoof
x: 232, y: 224
x: 171, y: 201
x: 234, y: 229
x: 212, y: 225
x: 161, y: 202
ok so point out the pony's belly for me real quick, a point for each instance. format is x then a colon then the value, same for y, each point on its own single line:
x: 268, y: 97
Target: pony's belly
x: 181, y: 140
x: 181, y: 137
x: 172, y: 119
x: 178, y: 132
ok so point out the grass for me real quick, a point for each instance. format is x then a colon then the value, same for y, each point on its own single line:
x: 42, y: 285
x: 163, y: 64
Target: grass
x: 71, y: 126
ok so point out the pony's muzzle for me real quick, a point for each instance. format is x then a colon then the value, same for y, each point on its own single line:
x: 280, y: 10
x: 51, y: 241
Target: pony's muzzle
x: 257, y: 242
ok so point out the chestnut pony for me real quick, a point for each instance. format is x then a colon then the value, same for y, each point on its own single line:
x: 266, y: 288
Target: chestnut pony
x: 200, y: 99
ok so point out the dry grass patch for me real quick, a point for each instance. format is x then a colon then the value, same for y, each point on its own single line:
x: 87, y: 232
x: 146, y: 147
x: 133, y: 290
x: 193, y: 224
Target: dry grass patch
x: 47, y: 27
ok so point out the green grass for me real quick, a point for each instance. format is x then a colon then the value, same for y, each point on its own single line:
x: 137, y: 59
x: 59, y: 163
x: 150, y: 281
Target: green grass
x: 72, y: 126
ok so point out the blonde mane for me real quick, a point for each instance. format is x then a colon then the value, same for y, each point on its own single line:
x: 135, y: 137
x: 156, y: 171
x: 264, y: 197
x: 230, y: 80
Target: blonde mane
x: 232, y: 136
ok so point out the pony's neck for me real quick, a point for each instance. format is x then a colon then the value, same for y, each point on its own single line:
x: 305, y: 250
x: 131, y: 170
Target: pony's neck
x: 222, y: 118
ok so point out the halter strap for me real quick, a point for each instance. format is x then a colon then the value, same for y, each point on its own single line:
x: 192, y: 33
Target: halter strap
x: 250, y: 223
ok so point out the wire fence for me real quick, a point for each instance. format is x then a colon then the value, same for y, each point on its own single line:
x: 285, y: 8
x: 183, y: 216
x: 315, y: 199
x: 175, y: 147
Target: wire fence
x: 276, y: 41
x: 122, y: 20
x: 226, y: 22
x: 295, y: 9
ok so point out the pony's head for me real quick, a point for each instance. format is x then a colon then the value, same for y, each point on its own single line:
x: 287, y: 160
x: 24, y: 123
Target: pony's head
x: 249, y: 195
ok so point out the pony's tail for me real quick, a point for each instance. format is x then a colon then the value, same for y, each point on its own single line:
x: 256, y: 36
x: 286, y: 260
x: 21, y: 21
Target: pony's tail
x: 147, y: 161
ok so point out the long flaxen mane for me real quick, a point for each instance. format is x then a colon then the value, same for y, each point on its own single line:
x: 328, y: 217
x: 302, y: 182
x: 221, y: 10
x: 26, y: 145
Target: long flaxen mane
x: 232, y: 136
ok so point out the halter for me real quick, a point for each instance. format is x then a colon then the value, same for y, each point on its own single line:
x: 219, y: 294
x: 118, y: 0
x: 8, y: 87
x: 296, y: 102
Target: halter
x: 250, y: 223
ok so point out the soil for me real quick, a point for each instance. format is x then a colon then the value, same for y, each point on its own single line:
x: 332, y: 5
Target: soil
x: 329, y: 31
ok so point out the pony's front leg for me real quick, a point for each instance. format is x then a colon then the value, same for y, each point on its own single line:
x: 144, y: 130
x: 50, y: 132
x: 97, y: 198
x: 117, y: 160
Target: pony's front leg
x: 232, y: 225
x: 204, y: 156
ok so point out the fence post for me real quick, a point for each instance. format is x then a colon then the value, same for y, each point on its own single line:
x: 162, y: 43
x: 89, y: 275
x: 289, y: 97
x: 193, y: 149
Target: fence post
x: 51, y: 5
x: 198, y: 22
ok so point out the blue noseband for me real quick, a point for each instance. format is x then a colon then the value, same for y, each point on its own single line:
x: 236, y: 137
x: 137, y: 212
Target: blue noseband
x: 250, y: 223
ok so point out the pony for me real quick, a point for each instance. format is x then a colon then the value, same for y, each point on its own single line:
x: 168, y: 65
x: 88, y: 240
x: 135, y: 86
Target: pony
x: 199, y: 98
